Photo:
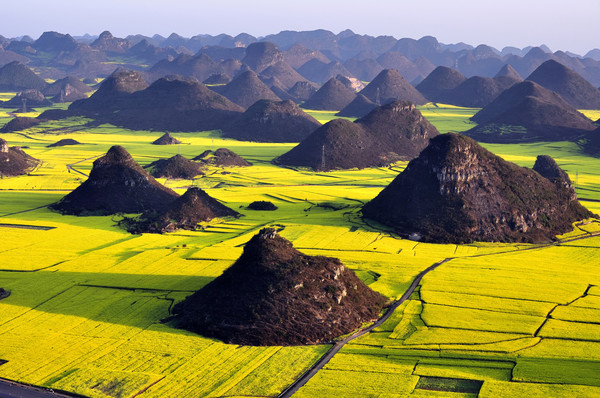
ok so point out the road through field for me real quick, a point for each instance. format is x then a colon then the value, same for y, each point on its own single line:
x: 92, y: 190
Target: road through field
x: 310, y: 373
x: 338, y: 345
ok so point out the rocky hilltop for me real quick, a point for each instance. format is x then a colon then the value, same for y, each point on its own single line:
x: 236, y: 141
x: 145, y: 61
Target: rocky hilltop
x: 14, y: 161
x: 116, y: 184
x: 275, y: 295
x: 457, y: 191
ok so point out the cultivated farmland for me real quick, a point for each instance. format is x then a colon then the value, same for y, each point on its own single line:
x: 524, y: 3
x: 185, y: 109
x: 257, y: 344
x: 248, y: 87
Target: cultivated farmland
x: 87, y: 298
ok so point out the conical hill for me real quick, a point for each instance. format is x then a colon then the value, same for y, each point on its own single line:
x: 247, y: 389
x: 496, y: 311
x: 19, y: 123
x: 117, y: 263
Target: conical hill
x: 275, y: 295
x: 457, y: 191
x: 116, y: 184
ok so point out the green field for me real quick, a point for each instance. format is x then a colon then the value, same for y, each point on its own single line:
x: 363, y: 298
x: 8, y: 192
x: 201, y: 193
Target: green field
x: 87, y: 298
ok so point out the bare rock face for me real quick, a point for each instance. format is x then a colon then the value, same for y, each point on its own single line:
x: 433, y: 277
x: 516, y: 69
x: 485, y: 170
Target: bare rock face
x: 116, y: 184
x: 14, y: 161
x: 276, y: 295
x: 457, y: 191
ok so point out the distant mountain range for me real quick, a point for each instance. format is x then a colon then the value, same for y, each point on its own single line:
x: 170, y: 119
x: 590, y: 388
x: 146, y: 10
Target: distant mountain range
x: 329, y: 54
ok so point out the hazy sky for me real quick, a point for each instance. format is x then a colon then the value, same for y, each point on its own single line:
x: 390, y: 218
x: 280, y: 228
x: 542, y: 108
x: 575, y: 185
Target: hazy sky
x: 562, y: 25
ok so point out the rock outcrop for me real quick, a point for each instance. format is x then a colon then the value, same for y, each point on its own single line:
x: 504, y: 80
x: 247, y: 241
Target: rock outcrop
x: 275, y: 295
x: 14, y: 161
x: 457, y: 191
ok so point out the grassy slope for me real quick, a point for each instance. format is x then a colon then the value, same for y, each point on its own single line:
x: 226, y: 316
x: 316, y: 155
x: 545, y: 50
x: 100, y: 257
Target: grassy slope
x: 87, y: 298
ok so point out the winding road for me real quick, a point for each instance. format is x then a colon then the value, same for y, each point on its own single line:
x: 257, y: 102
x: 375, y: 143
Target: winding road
x: 312, y: 371
x: 292, y: 389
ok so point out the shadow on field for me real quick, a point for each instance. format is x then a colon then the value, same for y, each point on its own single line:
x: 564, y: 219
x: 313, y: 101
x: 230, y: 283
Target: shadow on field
x: 120, y: 299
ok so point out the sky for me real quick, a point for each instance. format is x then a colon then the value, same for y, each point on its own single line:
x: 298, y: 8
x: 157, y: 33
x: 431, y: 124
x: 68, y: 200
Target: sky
x: 562, y: 25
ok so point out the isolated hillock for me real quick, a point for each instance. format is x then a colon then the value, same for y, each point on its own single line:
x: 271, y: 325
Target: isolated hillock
x: 166, y: 139
x: 54, y: 42
x: 16, y: 77
x: 31, y: 96
x: 393, y: 132
x: 222, y: 157
x: 528, y: 112
x: 569, y: 84
x: 389, y: 85
x: 261, y: 55
x: 66, y: 84
x: 284, y: 73
x: 246, y: 89
x: 112, y: 93
x: 508, y: 71
x: 185, y: 212
x: 64, y: 142
x: 457, y: 191
x: 359, y: 107
x: 302, y: 91
x: 106, y: 42
x: 20, y: 123
x: 272, y: 121
x: 332, y: 96
x: 439, y: 82
x: 275, y: 295
x: 14, y: 161
x: 174, y: 167
x: 116, y: 184
x: 262, y: 205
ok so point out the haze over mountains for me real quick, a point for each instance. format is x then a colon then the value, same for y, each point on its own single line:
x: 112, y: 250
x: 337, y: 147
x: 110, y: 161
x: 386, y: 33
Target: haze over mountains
x: 329, y: 54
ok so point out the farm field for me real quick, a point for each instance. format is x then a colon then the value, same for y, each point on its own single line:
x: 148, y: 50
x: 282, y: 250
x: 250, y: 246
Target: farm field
x: 87, y: 298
